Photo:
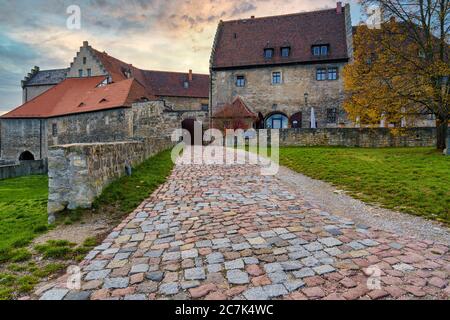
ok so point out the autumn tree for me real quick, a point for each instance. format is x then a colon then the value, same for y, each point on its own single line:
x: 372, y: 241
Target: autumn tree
x: 401, y: 67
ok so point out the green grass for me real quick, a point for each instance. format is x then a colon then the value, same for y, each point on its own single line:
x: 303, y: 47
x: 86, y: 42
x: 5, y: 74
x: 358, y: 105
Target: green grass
x: 127, y: 193
x: 23, y: 216
x: 23, y: 212
x: 412, y: 180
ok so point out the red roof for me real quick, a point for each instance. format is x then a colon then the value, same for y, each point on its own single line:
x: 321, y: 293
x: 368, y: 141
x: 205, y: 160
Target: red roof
x: 158, y: 83
x: 241, y: 43
x: 79, y: 95
x: 235, y: 110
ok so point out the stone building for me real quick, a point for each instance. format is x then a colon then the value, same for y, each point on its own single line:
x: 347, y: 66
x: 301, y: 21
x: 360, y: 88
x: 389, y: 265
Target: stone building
x: 286, y: 69
x: 38, y: 81
x: 100, y: 99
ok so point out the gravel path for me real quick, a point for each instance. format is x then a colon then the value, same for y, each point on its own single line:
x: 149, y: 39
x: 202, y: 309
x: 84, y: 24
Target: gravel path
x: 334, y: 201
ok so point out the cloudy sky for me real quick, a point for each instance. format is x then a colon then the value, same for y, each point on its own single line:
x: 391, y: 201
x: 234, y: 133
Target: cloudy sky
x: 174, y: 35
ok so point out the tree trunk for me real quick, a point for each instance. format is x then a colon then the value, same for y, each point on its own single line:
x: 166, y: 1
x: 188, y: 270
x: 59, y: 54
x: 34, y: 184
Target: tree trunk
x: 442, y: 129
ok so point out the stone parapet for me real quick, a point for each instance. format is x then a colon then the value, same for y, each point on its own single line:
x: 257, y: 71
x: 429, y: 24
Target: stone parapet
x: 78, y: 173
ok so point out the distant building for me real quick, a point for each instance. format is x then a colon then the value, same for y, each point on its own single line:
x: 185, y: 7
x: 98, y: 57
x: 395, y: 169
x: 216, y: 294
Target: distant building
x: 284, y: 69
x: 99, y: 99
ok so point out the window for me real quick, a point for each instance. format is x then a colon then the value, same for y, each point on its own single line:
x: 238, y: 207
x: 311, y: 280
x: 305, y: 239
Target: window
x: 80, y: 73
x: 205, y: 107
x: 321, y: 74
x: 321, y: 50
x: 331, y: 115
x: 89, y: 72
x: 277, y: 121
x: 186, y: 84
x: 54, y: 129
x: 285, y: 52
x: 240, y: 81
x: 268, y: 53
x: 84, y: 60
x: 332, y: 73
x: 276, y: 77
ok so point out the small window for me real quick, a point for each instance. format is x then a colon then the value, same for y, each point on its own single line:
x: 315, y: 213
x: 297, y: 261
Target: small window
x: 268, y: 53
x: 240, y: 81
x: 285, y: 52
x: 186, y: 84
x: 80, y: 73
x: 331, y: 115
x: 54, y: 129
x: 205, y: 107
x: 84, y: 60
x: 321, y: 74
x: 89, y: 72
x: 276, y: 77
x: 332, y: 73
x: 321, y: 50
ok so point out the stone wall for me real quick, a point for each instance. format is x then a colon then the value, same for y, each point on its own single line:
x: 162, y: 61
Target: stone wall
x: 101, y: 126
x: 260, y: 95
x: 186, y: 104
x: 23, y: 168
x: 31, y: 92
x: 358, y: 137
x: 78, y: 173
x: 19, y: 135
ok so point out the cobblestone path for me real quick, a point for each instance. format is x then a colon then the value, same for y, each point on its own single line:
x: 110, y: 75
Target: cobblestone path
x: 226, y: 232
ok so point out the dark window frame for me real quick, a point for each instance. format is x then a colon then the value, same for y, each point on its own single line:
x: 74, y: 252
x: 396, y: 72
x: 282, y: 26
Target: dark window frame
x: 321, y: 74
x: 89, y: 72
x: 80, y: 73
x: 54, y: 129
x: 317, y: 50
x: 283, y: 50
x: 332, y: 117
x: 240, y: 81
x: 333, y: 73
x: 84, y: 60
x: 277, y: 75
x: 272, y: 53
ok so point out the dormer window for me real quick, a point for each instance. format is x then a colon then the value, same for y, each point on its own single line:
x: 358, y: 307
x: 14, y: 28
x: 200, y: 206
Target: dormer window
x: 186, y: 84
x: 320, y: 50
x: 103, y: 100
x: 285, y: 52
x: 268, y: 53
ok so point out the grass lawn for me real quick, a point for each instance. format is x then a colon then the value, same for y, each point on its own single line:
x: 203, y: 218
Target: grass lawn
x: 23, y: 216
x: 412, y: 180
x: 23, y: 211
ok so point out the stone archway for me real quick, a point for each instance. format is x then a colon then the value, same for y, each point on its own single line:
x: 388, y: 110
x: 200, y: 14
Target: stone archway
x: 26, y: 156
x: 276, y: 120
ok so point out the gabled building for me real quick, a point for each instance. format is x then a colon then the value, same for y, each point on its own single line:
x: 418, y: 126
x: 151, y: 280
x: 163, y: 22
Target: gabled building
x: 99, y: 99
x: 285, y: 69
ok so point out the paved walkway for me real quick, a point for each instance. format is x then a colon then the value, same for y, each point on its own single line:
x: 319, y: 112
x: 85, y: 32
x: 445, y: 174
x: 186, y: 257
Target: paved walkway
x: 226, y: 232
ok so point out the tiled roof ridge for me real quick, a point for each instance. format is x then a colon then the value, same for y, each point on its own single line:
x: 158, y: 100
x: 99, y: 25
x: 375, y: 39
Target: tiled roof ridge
x: 281, y: 15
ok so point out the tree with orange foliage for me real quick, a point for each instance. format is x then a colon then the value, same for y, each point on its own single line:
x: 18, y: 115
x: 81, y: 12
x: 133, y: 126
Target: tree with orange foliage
x: 401, y: 69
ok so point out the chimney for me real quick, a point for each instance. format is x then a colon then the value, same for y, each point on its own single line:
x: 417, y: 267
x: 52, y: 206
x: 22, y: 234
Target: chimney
x: 253, y: 17
x: 339, y: 7
x: 85, y: 44
x: 190, y: 76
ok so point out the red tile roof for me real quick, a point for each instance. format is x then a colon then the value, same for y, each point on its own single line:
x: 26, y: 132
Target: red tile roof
x: 235, y: 110
x: 241, y: 43
x: 159, y: 83
x: 79, y: 95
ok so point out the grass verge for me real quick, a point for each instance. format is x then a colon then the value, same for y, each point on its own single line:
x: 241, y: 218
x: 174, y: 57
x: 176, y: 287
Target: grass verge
x: 23, y: 216
x: 412, y: 180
